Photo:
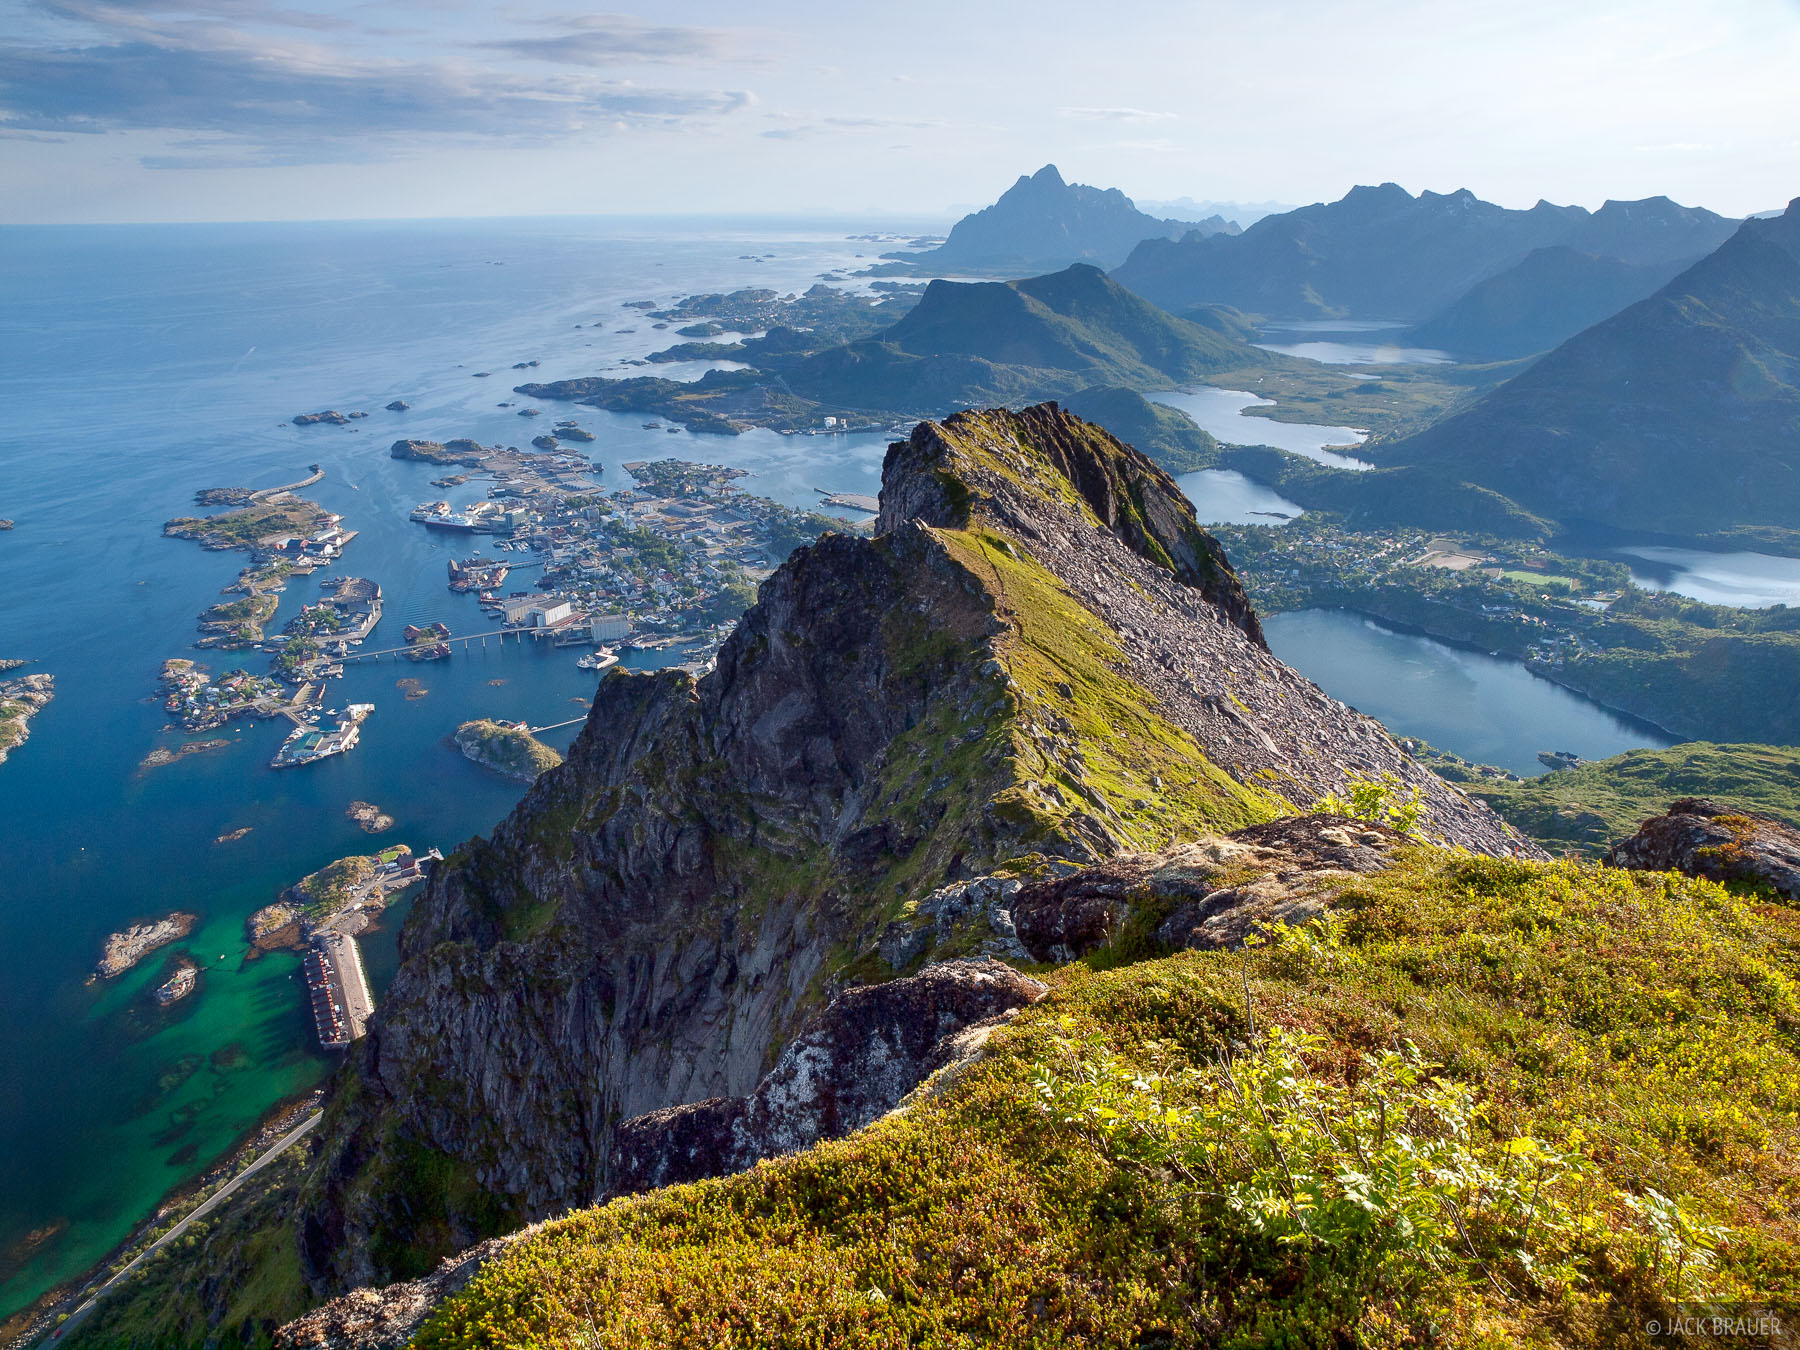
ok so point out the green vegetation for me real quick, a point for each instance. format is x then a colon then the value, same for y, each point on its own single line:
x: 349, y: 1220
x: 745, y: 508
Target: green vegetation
x: 1676, y: 416
x: 334, y: 885
x: 250, y: 524
x: 979, y: 344
x: 235, y: 1273
x: 1592, y: 806
x: 1145, y: 776
x: 506, y: 749
x: 1570, y: 1094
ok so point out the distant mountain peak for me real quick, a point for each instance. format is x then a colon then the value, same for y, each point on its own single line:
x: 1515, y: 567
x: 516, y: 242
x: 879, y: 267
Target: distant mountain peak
x: 1042, y: 223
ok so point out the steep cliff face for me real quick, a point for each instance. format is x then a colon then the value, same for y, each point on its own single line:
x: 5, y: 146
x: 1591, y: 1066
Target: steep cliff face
x: 1040, y: 655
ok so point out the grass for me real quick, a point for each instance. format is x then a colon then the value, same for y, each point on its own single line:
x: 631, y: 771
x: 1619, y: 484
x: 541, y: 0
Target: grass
x: 249, y: 524
x: 1589, y: 808
x: 1642, y: 1024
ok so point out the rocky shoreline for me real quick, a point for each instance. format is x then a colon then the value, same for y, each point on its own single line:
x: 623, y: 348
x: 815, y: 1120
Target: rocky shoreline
x: 505, y: 749
x: 20, y: 701
x: 124, y: 950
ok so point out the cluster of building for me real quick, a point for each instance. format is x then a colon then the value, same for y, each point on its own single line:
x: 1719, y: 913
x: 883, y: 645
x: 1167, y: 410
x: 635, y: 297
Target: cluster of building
x: 308, y: 744
x: 672, y: 557
x: 304, y: 552
x: 201, y: 701
x: 337, y: 987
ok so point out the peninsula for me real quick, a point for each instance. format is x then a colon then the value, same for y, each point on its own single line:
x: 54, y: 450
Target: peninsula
x: 21, y: 700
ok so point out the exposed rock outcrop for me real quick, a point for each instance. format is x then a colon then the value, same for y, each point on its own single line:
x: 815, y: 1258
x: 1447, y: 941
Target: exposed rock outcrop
x: 1705, y: 839
x: 1207, y: 893
x: 866, y: 1050
x: 385, y: 1319
x: 1039, y: 653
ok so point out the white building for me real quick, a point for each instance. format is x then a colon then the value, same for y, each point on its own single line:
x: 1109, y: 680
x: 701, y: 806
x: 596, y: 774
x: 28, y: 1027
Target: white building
x: 609, y: 627
x: 544, y: 616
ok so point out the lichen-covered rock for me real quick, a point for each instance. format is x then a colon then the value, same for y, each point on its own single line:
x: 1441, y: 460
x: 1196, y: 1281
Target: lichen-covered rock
x: 1207, y: 893
x: 1705, y: 839
x: 855, y: 1062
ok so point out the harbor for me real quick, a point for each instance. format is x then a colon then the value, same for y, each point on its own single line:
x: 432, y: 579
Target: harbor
x: 307, y: 744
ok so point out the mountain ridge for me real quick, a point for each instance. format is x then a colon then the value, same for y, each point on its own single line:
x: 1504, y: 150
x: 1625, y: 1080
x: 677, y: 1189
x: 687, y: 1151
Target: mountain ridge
x: 1040, y: 654
x: 1678, y: 416
x: 1381, y: 253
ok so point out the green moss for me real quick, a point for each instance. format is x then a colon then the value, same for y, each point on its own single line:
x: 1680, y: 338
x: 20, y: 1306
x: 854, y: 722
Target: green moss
x: 1642, y: 1022
x: 1122, y: 755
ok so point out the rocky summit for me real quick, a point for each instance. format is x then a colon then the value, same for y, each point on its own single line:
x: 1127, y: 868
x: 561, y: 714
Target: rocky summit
x: 1038, y: 664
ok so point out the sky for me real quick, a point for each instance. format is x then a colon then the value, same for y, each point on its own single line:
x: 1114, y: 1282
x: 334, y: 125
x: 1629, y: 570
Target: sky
x: 170, y: 110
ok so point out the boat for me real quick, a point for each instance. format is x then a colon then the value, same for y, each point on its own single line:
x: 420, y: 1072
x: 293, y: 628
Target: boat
x: 308, y: 744
x: 599, y: 660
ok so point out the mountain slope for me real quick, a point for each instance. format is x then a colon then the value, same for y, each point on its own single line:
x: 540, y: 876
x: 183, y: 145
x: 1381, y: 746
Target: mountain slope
x: 1554, y: 1183
x: 1041, y: 224
x: 1039, y: 654
x: 1548, y: 297
x: 1679, y: 415
x: 1381, y: 253
x: 970, y: 343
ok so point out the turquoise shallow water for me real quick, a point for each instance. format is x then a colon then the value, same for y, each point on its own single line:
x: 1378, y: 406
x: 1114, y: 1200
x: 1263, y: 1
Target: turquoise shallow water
x: 137, y: 365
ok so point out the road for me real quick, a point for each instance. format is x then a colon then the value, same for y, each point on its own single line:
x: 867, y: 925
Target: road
x: 199, y: 1211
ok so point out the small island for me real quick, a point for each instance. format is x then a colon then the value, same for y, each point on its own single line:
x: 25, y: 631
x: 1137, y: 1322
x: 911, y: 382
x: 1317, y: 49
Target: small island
x: 124, y: 950
x: 178, y: 986
x: 20, y: 701
x: 342, y: 896
x: 507, y: 748
x: 370, y: 818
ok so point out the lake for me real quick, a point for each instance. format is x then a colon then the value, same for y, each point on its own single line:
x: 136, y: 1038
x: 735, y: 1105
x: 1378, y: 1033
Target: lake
x: 1227, y: 497
x: 1347, y: 342
x: 1741, y: 580
x: 1488, y: 709
x: 1223, y: 413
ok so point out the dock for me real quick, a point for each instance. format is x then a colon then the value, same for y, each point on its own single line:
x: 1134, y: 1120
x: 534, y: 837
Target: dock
x: 338, y: 989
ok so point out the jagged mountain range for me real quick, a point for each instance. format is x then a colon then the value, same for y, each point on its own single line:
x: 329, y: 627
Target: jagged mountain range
x: 1680, y: 415
x: 1042, y: 224
x: 1039, y: 655
x: 1379, y: 253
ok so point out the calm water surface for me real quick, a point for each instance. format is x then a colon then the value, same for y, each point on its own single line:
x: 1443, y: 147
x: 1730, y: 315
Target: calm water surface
x: 1223, y: 413
x: 1488, y: 709
x: 1742, y: 580
x: 1226, y: 497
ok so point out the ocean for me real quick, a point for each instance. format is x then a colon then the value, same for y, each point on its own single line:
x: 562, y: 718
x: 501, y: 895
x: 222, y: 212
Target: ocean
x: 141, y: 364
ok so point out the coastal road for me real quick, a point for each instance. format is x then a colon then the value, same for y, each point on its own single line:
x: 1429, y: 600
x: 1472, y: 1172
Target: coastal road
x: 200, y: 1211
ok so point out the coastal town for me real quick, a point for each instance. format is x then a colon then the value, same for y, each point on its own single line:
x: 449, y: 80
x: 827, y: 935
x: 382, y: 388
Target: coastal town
x: 666, y: 559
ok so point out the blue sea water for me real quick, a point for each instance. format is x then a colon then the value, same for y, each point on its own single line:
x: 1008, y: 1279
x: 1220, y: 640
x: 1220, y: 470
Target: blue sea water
x: 140, y: 364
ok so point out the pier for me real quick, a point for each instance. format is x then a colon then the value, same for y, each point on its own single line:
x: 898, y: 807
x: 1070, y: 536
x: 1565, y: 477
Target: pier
x: 263, y: 494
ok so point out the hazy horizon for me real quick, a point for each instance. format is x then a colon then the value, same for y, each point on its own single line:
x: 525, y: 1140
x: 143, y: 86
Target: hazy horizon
x: 117, y: 111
